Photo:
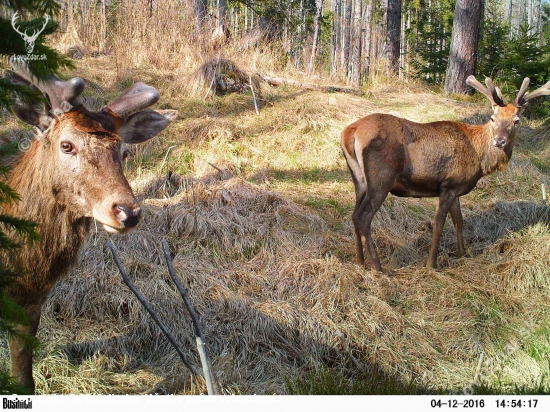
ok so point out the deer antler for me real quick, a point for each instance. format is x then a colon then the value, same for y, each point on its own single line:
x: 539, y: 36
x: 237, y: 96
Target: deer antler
x: 520, y: 101
x: 541, y: 91
x: 491, y: 92
x: 136, y: 98
x: 62, y: 94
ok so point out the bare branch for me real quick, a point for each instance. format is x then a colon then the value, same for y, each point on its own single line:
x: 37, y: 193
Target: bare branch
x: 147, y: 307
x: 205, y: 360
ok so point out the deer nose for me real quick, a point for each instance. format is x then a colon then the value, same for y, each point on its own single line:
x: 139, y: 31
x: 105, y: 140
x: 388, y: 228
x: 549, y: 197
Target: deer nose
x: 128, y: 216
x: 500, y: 142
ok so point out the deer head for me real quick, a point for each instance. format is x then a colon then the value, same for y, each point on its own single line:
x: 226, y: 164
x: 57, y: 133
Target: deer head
x: 78, y: 153
x: 506, y: 117
x: 29, y: 40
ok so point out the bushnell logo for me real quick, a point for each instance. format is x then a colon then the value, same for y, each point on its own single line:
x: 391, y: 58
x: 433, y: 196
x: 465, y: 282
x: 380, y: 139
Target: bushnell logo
x: 29, y: 39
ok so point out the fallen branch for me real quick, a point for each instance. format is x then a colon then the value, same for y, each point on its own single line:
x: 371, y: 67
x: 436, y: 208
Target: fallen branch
x: 253, y: 94
x: 203, y: 353
x: 279, y: 81
x: 148, y: 308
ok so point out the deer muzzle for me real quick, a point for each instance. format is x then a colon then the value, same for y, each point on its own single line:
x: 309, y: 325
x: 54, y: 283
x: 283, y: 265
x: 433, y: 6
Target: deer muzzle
x: 500, y: 142
x: 118, y: 215
x: 127, y: 216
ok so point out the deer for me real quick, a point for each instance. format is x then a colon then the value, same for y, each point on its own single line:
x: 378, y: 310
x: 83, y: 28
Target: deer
x: 29, y: 40
x: 70, y: 175
x: 444, y: 159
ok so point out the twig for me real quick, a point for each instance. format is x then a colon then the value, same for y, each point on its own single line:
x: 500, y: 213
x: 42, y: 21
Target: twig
x: 296, y: 351
x: 279, y: 81
x: 147, y: 307
x: 203, y: 353
x: 344, y: 345
x: 478, y: 368
x: 253, y: 94
x: 543, y: 187
x: 166, y: 156
x: 215, y: 167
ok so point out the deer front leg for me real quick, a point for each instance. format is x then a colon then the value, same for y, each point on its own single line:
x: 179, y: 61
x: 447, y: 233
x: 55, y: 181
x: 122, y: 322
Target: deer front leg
x: 21, y: 352
x: 446, y: 199
x: 456, y: 216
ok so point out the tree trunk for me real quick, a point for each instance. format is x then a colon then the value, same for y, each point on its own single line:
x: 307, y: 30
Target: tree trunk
x: 200, y: 13
x: 464, y: 43
x: 355, y: 55
x: 222, y: 11
x: 368, y: 39
x: 335, y: 36
x: 316, y: 32
x: 394, y: 37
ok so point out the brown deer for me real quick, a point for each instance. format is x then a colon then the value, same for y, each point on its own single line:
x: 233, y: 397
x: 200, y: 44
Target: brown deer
x: 71, y: 174
x: 387, y: 154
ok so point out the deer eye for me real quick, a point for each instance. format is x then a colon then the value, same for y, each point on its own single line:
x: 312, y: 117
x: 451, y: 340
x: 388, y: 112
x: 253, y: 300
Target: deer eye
x: 67, y: 147
x: 516, y: 121
x: 493, y: 119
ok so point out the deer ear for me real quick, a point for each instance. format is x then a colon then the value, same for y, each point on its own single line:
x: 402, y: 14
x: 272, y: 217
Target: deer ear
x: 145, y: 125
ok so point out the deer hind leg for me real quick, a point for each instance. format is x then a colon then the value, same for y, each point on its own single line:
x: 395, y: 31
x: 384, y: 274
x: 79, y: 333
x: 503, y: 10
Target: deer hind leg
x: 446, y: 199
x: 362, y: 218
x: 21, y: 351
x: 456, y: 216
x: 360, y: 192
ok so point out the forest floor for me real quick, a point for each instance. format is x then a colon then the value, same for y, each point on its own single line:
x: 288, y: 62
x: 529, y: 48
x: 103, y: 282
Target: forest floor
x: 257, y: 212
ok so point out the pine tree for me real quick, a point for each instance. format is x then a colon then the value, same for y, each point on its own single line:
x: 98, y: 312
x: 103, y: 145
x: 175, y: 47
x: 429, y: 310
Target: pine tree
x: 464, y: 45
x: 14, y: 231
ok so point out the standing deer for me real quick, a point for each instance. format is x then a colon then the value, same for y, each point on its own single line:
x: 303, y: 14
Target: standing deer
x: 387, y: 154
x: 71, y: 174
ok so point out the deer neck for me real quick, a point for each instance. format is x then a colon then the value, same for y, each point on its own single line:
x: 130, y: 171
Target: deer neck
x: 62, y: 232
x: 491, y: 158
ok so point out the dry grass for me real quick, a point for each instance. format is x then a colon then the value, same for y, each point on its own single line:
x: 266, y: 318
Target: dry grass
x: 256, y: 210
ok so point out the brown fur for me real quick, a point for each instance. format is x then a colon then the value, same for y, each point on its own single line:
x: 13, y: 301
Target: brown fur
x: 386, y: 154
x: 60, y: 196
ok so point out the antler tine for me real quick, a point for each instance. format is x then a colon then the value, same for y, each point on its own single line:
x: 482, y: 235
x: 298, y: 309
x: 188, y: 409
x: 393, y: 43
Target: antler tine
x: 62, y: 94
x: 473, y: 82
x: 136, y: 98
x: 520, y: 101
x: 541, y: 91
x: 495, y: 92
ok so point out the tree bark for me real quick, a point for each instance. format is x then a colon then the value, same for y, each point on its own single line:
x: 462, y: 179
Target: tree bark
x: 316, y: 33
x: 394, y: 37
x: 367, y: 62
x: 464, y: 44
x: 355, y: 55
x: 335, y: 37
x: 200, y: 13
x: 222, y: 12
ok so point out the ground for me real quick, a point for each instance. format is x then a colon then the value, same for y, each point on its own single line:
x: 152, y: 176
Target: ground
x: 257, y: 212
